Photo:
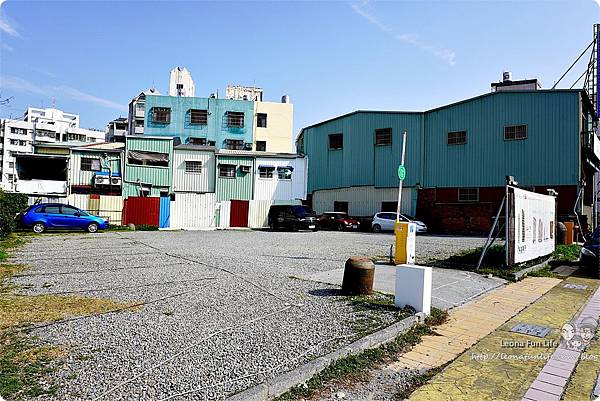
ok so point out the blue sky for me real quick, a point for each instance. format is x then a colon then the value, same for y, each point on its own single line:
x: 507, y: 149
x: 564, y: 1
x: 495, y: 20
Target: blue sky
x: 330, y: 57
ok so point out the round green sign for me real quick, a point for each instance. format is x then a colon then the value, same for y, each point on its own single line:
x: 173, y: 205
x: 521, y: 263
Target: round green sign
x: 401, y: 172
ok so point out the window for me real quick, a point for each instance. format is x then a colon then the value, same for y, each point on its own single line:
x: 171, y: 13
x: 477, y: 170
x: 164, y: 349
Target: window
x: 193, y: 167
x: 468, y: 194
x: 140, y: 107
x: 23, y: 131
x: 389, y: 206
x: 139, y: 123
x: 265, y: 171
x: 51, y: 209
x: 383, y: 137
x: 11, y: 177
x: 515, y: 132
x: 261, y: 120
x: 235, y: 119
x: 336, y: 141
x: 457, y: 138
x: 89, y: 164
x: 22, y: 143
x: 161, y: 115
x: 227, y: 170
x: 13, y: 130
x: 197, y: 141
x: 261, y: 146
x: 285, y: 173
x: 11, y: 164
x: 143, y: 158
x: 340, y: 207
x: 198, y: 117
x: 14, y: 141
x: 234, y: 144
x: 69, y: 210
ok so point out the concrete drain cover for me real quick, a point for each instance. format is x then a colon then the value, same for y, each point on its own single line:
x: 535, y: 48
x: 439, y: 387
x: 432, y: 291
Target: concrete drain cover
x: 576, y: 286
x: 531, y: 330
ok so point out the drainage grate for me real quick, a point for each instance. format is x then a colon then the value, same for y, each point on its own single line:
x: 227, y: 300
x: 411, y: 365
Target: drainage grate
x: 576, y: 286
x: 531, y: 330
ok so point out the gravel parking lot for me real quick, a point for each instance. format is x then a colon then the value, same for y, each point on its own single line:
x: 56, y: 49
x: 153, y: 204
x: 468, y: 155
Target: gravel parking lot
x: 221, y: 311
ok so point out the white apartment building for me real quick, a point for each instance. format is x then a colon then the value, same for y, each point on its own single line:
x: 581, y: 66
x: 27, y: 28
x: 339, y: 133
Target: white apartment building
x: 181, y: 83
x: 137, y: 112
x: 38, y: 126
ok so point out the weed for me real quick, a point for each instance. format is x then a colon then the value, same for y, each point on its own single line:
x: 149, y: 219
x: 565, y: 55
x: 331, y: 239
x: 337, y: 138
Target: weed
x: 566, y: 252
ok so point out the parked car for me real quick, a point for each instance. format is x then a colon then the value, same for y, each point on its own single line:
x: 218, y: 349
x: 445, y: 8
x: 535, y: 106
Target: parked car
x: 48, y: 216
x: 292, y: 217
x: 338, y: 221
x: 590, y: 252
x: 385, y: 221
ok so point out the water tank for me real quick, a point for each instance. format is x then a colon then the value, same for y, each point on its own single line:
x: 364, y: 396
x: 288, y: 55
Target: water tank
x: 506, y: 76
x: 285, y: 99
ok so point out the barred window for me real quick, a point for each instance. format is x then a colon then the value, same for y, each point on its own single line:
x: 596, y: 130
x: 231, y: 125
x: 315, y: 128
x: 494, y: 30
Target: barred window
x: 89, y: 164
x: 261, y: 120
x: 265, y: 171
x: 457, y: 138
x: 515, y: 132
x: 235, y: 119
x: 284, y: 173
x: 193, y: 167
x: 227, y: 170
x: 383, y: 137
x: 468, y: 194
x: 198, y: 117
x: 161, y: 115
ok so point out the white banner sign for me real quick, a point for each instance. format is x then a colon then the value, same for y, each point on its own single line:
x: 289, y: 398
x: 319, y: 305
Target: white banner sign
x: 534, y: 216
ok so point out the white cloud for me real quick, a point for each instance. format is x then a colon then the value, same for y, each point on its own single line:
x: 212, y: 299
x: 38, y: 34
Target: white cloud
x: 364, y: 10
x: 597, y: 2
x: 6, y: 25
x: 21, y: 85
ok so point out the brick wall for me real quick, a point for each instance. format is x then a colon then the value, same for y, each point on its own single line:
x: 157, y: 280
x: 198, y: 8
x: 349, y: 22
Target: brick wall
x: 440, y: 209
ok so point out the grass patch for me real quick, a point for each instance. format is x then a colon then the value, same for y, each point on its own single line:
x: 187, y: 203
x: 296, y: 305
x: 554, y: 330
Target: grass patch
x: 114, y: 227
x: 25, y: 361
x: 566, y: 253
x: 371, y: 311
x: 414, y: 382
x: 357, y: 367
x: 145, y: 227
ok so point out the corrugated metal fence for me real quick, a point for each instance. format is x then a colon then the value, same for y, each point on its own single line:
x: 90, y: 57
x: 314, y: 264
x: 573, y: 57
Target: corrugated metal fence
x: 193, y: 211
x: 110, y: 207
x: 258, y: 212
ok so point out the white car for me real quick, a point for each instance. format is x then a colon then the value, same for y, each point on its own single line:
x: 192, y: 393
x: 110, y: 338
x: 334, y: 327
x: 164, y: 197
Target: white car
x: 384, y: 221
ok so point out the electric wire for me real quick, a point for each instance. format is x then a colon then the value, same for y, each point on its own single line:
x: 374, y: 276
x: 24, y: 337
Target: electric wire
x: 575, y: 62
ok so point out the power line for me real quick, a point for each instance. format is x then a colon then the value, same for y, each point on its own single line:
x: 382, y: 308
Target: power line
x: 575, y: 62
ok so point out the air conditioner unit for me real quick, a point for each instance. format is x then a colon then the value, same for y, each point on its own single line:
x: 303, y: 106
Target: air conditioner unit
x: 101, y: 180
x: 248, y: 146
x: 245, y: 169
x: 115, y: 181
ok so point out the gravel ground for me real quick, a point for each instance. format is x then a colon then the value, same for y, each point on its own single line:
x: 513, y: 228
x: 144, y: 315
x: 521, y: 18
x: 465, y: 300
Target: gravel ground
x: 222, y: 313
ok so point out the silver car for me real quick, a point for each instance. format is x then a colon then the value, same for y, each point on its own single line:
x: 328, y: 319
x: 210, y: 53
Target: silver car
x: 384, y: 221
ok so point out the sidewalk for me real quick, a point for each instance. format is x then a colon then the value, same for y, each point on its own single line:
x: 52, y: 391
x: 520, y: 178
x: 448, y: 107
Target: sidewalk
x: 506, y: 365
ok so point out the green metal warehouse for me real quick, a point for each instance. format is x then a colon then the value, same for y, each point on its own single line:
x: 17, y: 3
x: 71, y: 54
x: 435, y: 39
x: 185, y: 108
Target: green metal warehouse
x: 457, y: 157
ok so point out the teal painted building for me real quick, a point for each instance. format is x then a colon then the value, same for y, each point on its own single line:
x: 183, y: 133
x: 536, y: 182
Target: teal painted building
x: 223, y: 123
x: 235, y: 177
x: 148, y: 166
x: 457, y: 157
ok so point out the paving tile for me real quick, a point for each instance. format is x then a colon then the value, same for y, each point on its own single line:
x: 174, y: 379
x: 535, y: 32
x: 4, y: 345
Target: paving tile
x: 552, y: 379
x: 541, y: 395
x: 547, y: 387
x: 566, y: 373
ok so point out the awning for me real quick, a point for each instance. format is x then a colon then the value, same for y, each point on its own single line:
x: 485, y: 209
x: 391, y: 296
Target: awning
x: 148, y: 156
x: 266, y: 167
x: 285, y: 168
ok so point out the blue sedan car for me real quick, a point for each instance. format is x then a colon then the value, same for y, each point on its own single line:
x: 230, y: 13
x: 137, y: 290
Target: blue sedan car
x: 57, y: 216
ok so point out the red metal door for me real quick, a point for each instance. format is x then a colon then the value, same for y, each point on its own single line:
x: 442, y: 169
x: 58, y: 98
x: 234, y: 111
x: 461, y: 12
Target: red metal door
x: 142, y: 210
x: 239, y: 213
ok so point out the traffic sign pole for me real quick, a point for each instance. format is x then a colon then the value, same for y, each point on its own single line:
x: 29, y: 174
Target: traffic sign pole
x: 401, y: 176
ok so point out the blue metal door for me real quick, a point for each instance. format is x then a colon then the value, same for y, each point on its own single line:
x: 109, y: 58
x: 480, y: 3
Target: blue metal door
x: 165, y: 212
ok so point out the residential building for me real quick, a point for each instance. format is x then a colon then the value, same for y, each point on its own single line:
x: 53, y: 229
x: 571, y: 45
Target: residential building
x: 148, y: 166
x: 96, y: 168
x: 280, y: 177
x: 457, y: 157
x: 274, y: 126
x: 181, y: 83
x: 193, y: 169
x: 238, y: 92
x: 137, y: 112
x: 234, y: 175
x: 116, y: 130
x: 38, y: 126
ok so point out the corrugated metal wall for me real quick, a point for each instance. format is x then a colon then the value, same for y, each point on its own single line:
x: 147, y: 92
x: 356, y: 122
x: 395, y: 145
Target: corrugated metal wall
x: 164, y: 220
x: 159, y: 177
x: 193, y: 211
x: 363, y: 201
x: 193, y: 182
x: 549, y: 155
x: 552, y: 119
x: 274, y: 188
x: 258, y: 214
x: 142, y: 210
x: 239, y: 187
x: 224, y: 213
x: 80, y: 177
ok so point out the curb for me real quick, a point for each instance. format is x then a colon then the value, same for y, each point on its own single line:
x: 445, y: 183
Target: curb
x: 521, y: 273
x: 280, y: 384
